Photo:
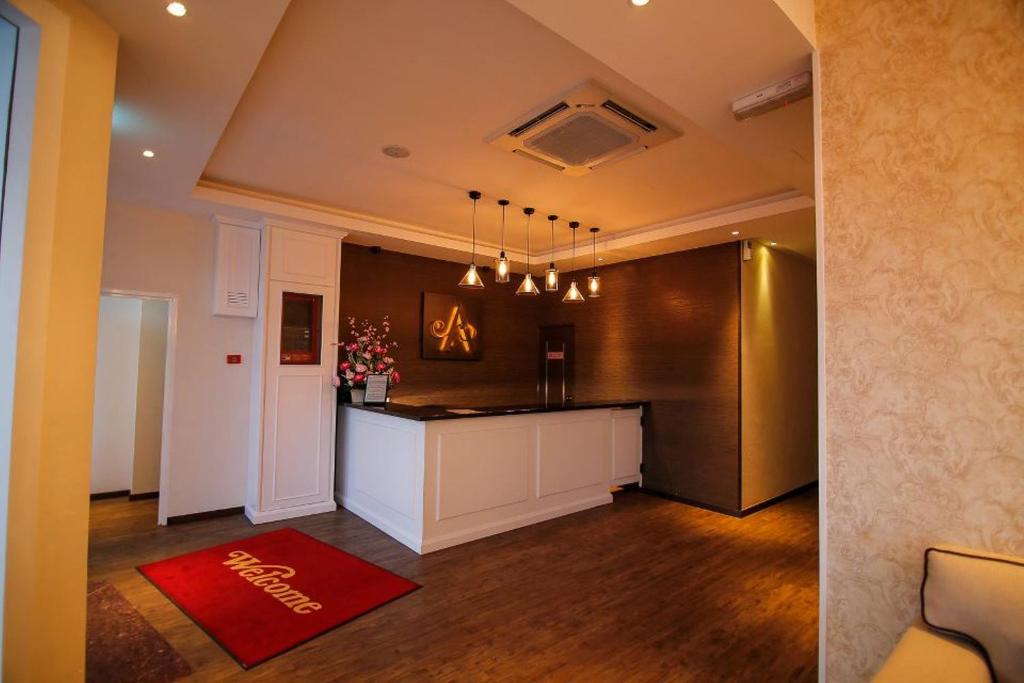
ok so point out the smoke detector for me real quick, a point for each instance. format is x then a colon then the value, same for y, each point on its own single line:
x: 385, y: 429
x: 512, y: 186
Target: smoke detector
x: 583, y: 129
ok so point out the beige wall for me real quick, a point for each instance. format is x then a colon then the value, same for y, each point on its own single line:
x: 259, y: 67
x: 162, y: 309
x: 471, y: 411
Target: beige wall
x: 922, y: 125
x: 170, y: 252
x: 779, y: 369
x: 44, y: 609
x: 149, y: 400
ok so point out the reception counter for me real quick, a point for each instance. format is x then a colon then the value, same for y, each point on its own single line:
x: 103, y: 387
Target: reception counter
x: 434, y: 476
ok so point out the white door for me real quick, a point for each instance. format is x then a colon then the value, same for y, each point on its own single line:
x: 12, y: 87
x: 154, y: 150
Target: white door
x: 297, y: 463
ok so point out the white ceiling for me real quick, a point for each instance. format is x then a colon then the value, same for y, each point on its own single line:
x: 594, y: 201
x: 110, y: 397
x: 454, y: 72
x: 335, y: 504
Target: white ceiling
x: 292, y: 105
x: 178, y: 81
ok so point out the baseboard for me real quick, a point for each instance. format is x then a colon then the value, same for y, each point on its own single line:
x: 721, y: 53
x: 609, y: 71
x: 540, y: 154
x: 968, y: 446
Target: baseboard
x: 528, y: 519
x: 108, y: 494
x: 149, y: 495
x: 209, y: 514
x: 757, y: 507
x: 729, y: 511
x: 424, y: 546
x: 258, y: 517
x: 693, y: 503
x: 365, y: 514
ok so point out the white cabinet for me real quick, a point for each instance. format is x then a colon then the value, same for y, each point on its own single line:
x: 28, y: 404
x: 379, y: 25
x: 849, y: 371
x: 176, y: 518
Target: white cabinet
x: 292, y: 454
x: 236, y: 268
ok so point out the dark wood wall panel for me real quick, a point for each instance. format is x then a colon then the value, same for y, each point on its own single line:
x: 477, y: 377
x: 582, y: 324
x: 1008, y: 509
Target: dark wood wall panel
x: 373, y: 285
x: 666, y: 329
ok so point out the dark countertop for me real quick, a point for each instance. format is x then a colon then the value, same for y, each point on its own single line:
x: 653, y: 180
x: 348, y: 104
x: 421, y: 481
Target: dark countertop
x: 434, y: 412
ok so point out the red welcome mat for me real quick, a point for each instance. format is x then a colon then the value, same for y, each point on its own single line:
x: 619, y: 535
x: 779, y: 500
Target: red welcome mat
x: 260, y: 596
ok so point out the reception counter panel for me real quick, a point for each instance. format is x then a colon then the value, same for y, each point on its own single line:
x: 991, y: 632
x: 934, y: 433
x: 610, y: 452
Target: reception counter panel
x: 435, y: 482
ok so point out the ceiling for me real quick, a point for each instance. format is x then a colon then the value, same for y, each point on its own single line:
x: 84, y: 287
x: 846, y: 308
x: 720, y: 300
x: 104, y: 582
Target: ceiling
x: 290, y: 105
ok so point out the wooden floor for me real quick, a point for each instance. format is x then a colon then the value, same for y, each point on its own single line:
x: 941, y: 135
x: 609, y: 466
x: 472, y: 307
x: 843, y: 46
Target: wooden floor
x: 643, y: 589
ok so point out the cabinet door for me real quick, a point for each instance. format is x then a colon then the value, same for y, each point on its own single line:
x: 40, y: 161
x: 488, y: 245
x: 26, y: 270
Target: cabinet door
x: 297, y: 256
x: 627, y: 446
x: 300, y: 398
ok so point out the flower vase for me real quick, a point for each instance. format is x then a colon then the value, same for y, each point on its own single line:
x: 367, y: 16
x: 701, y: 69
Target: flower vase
x: 358, y: 396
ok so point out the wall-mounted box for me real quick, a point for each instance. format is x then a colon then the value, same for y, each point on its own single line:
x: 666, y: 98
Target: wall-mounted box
x: 236, y: 269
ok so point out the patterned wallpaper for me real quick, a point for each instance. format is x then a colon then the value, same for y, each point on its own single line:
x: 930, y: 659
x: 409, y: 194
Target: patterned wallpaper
x: 923, y: 147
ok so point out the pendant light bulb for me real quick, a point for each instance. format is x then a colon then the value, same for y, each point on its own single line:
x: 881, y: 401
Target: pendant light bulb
x: 501, y: 264
x: 551, y: 274
x: 573, y: 296
x: 472, y: 278
x: 594, y: 281
x: 527, y: 287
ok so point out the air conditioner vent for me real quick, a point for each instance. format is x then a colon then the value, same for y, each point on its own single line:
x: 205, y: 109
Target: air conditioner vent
x: 538, y: 119
x: 533, y: 157
x: 635, y: 119
x: 237, y: 298
x: 580, y: 140
x: 585, y: 128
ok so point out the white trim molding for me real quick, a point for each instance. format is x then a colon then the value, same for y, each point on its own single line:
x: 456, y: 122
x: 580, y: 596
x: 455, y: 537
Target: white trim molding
x: 423, y: 241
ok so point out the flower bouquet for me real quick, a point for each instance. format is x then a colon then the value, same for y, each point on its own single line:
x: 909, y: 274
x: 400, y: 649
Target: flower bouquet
x: 368, y: 352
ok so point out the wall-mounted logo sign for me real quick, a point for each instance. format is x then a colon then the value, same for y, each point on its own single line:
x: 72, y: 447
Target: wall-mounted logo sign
x: 451, y: 327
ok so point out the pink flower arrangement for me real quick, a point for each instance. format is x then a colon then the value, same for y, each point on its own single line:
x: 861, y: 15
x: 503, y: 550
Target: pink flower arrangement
x: 369, y: 352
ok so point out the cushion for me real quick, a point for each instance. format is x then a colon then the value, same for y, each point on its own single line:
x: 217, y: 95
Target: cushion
x: 923, y: 656
x: 978, y: 596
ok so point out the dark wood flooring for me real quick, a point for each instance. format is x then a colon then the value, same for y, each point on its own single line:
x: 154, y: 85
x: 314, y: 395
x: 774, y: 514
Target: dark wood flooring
x: 644, y: 589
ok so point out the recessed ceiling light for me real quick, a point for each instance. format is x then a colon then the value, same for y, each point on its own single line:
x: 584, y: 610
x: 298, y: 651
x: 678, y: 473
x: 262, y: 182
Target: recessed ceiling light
x: 600, y: 258
x: 638, y: 3
x: 735, y: 232
x: 773, y: 244
x: 177, y: 9
x: 148, y: 153
x: 395, y: 151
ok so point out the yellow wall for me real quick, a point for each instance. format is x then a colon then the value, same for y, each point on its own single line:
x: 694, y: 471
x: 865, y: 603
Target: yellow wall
x: 44, y: 611
x: 923, y: 147
x: 779, y: 370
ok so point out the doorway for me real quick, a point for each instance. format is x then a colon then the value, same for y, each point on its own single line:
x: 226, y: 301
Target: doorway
x: 556, y: 364
x: 132, y: 396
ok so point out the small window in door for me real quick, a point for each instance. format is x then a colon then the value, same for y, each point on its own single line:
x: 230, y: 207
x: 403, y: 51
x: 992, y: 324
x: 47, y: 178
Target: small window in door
x: 300, y: 328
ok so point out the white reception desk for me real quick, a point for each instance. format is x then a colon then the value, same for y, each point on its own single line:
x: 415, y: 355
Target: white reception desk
x: 433, y: 477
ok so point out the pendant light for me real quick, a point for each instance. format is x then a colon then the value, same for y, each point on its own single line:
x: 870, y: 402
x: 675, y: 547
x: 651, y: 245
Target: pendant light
x: 594, y: 281
x: 472, y: 278
x: 528, y: 287
x: 501, y: 264
x: 551, y: 274
x: 573, y: 296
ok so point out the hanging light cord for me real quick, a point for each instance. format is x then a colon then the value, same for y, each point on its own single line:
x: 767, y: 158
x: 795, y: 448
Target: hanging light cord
x: 595, y: 253
x: 552, y: 242
x: 574, y: 251
x: 528, y: 217
x: 503, y: 229
x: 474, y: 233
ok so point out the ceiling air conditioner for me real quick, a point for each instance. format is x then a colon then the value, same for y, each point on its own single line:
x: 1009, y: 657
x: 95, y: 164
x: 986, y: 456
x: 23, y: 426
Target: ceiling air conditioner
x: 774, y: 96
x: 582, y: 130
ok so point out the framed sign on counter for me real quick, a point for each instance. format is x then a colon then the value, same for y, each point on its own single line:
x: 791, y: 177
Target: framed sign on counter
x: 376, y: 390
